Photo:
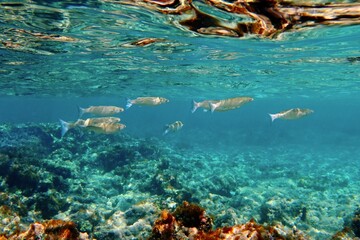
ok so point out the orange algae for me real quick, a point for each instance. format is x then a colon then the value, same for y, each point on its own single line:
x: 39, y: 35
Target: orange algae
x: 51, y: 229
x: 164, y: 227
x: 190, y: 215
x: 189, y: 221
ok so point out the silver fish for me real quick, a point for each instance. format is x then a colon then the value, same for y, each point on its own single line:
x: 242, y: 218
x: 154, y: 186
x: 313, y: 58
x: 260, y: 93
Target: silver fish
x: 100, y: 110
x: 173, y: 127
x: 66, y: 126
x: 95, y: 121
x: 229, y: 104
x: 291, y: 114
x: 204, y: 104
x: 106, y: 127
x: 146, y: 101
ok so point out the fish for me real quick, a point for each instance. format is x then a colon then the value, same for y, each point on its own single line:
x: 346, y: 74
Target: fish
x: 291, y: 114
x: 95, y: 121
x: 106, y: 127
x: 146, y: 101
x: 145, y: 42
x: 66, y: 126
x: 204, y: 104
x: 100, y: 110
x: 229, y: 104
x: 173, y: 127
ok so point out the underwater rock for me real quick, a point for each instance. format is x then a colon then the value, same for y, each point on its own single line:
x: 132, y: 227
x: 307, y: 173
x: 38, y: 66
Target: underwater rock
x: 51, y: 229
x: 323, y: 183
x: 351, y: 229
x: 226, y: 218
x: 69, y: 184
x: 50, y: 203
x: 163, y: 183
x: 121, y: 154
x: 139, y: 211
x: 24, y: 177
x: 135, y: 223
x: 190, y: 221
x: 60, y: 163
x: 10, y: 221
x: 278, y: 209
x: 149, y: 148
x: 355, y: 223
x: 345, y: 234
x: 185, y: 217
x: 192, y: 215
x: 164, y: 227
x: 29, y: 175
x: 86, y: 217
x: 35, y: 137
x: 117, y: 156
x: 221, y: 185
x: 157, y: 184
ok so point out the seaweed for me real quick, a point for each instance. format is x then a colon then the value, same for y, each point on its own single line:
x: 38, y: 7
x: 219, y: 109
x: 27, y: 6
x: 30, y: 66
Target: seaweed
x: 191, y: 215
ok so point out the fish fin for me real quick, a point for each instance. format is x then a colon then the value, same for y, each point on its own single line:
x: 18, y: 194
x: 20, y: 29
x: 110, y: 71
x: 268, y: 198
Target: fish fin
x: 213, y: 106
x: 81, y: 111
x: 166, y: 129
x: 273, y: 117
x: 128, y: 103
x: 65, y: 126
x: 165, y: 132
x: 195, y: 106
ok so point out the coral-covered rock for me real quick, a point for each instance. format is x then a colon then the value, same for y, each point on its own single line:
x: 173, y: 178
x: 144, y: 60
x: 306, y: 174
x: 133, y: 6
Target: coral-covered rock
x: 51, y: 229
x: 186, y: 219
x: 355, y: 223
x: 351, y: 228
x: 164, y: 227
x: 345, y: 234
x: 50, y: 203
x: 115, y: 156
x: 190, y: 221
x: 9, y: 221
x: 192, y: 215
x: 277, y: 209
x: 135, y: 223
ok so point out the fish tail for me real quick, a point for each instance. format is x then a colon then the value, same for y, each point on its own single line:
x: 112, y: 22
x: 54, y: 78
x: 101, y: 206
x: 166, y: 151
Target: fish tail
x: 128, y: 103
x: 195, y: 106
x: 166, y: 129
x: 65, y: 126
x: 81, y: 111
x: 273, y: 117
x: 165, y: 132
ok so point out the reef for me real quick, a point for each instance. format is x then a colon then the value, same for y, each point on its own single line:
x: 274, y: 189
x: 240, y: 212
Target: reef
x: 114, y: 187
x: 351, y: 228
x: 265, y: 18
x: 190, y: 221
x: 51, y: 229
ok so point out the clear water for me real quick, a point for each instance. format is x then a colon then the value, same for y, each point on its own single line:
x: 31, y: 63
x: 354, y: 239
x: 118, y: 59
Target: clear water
x: 317, y: 68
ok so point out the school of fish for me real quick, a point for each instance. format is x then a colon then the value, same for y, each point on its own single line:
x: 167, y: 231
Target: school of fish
x: 103, y: 121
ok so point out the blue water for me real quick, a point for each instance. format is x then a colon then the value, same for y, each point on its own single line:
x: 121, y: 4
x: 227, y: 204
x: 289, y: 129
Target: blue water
x: 235, y: 161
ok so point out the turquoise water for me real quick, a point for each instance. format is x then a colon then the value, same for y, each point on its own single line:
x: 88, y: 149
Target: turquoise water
x: 236, y: 164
